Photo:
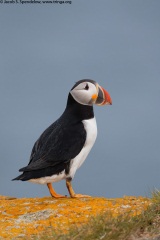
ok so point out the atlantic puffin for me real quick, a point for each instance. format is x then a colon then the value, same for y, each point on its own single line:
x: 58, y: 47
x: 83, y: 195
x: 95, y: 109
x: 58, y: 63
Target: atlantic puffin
x: 64, y: 145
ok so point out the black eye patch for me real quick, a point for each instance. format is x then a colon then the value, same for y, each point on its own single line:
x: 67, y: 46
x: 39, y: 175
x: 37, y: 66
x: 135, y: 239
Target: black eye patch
x: 86, y: 87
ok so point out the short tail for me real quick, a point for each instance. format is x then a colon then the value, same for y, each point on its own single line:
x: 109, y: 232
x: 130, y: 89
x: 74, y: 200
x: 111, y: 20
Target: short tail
x: 20, y: 177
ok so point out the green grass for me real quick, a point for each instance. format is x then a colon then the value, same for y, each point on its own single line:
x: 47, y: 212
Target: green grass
x: 124, y: 227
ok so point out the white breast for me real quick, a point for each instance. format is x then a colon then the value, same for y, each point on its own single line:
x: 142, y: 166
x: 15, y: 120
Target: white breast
x: 91, y: 131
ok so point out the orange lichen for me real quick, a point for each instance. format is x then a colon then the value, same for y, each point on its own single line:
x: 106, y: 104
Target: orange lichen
x: 31, y: 216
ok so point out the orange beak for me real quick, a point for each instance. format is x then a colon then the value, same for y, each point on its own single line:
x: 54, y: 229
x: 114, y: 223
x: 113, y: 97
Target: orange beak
x: 103, y: 97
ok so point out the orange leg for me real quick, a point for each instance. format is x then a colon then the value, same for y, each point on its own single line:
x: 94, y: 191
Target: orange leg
x: 53, y: 193
x: 71, y: 191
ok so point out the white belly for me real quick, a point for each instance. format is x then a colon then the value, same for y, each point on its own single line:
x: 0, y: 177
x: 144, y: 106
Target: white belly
x: 91, y: 134
x: 91, y: 130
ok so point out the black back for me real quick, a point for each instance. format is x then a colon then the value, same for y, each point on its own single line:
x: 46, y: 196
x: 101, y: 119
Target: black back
x: 59, y: 143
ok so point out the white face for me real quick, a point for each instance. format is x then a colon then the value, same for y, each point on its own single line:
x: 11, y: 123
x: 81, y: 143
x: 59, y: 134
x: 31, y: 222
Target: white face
x: 85, y: 93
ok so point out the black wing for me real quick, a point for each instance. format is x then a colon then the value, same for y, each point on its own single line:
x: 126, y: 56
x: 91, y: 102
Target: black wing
x: 58, y: 144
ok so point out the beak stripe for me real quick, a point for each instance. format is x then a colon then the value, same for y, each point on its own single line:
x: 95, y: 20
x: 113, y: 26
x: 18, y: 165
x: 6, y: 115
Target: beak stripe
x: 107, y: 98
x: 100, y: 97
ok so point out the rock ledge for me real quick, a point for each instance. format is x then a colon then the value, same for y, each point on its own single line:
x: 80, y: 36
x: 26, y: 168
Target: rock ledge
x: 25, y: 217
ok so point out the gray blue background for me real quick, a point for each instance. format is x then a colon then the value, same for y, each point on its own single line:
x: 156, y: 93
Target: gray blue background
x: 44, y: 49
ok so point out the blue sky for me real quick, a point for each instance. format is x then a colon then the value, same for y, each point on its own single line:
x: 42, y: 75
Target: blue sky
x: 44, y: 49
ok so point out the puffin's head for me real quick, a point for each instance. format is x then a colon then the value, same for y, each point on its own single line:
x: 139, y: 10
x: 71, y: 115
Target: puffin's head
x: 89, y: 92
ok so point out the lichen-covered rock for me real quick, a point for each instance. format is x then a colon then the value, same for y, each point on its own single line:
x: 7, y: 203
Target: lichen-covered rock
x: 24, y: 217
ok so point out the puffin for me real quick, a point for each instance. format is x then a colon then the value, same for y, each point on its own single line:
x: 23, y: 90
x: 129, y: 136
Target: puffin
x: 64, y: 145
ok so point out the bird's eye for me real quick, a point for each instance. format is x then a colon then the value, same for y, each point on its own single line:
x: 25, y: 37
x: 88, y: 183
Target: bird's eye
x: 86, y: 87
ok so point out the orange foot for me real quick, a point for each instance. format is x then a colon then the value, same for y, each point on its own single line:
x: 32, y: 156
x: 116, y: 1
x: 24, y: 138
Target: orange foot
x: 58, y: 196
x: 71, y: 191
x: 53, y: 193
x: 80, y: 196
